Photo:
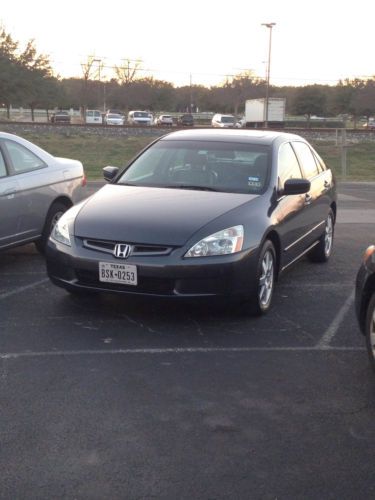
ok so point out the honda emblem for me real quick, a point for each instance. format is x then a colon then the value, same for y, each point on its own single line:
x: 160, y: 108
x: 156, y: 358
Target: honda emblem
x: 122, y: 251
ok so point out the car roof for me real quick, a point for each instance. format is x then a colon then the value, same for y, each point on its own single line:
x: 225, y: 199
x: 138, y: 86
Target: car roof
x: 255, y: 136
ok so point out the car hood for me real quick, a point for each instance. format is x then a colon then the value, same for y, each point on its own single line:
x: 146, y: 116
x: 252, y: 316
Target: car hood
x: 159, y: 216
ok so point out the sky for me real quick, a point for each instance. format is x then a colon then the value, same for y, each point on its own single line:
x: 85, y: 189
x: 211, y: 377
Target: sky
x: 205, y: 41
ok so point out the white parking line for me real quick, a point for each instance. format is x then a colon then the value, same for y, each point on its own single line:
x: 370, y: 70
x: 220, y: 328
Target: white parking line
x: 331, y: 331
x: 22, y: 289
x: 177, y: 350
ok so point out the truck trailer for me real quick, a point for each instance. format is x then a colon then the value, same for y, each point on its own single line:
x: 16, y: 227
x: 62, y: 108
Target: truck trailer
x: 255, y: 112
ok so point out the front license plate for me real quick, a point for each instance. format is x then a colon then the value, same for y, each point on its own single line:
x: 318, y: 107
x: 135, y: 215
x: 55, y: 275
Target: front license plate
x: 124, y: 274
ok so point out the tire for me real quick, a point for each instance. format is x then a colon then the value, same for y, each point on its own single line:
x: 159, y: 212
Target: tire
x: 260, y: 301
x: 54, y: 213
x: 323, y: 250
x: 370, y: 331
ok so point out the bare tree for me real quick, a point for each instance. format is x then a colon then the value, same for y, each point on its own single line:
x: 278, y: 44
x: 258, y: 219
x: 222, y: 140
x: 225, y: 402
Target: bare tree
x: 91, y: 70
x: 128, y: 72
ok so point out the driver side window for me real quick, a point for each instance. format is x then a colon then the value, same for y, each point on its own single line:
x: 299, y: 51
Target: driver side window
x: 288, y: 166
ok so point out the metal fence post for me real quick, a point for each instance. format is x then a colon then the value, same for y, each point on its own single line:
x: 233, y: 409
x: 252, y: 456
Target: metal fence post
x: 343, y: 147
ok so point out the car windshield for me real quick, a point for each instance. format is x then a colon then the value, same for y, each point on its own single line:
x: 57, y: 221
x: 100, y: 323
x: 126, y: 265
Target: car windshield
x: 217, y: 166
x: 227, y: 119
x: 114, y: 116
x: 141, y: 114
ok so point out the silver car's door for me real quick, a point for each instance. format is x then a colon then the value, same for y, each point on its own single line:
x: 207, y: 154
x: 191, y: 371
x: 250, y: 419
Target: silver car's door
x: 29, y: 171
x: 9, y: 207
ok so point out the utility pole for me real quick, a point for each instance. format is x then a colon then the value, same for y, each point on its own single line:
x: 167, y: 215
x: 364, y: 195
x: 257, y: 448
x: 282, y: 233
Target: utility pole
x: 191, y: 94
x: 269, y: 26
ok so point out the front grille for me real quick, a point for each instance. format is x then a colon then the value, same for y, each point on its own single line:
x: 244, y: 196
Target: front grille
x: 145, y: 284
x: 139, y: 250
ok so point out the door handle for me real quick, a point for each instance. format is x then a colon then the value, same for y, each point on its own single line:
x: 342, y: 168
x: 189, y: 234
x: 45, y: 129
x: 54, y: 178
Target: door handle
x: 10, y: 191
x: 308, y: 199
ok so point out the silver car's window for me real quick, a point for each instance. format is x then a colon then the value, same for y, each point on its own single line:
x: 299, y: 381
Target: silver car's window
x: 218, y: 166
x: 288, y: 167
x: 3, y: 170
x: 23, y: 160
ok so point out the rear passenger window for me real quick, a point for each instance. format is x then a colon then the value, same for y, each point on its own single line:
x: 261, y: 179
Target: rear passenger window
x: 288, y: 167
x: 307, y: 159
x: 23, y: 160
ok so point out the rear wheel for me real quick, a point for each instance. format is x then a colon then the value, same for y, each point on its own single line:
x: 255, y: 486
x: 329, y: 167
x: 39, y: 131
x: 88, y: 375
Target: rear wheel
x: 54, y: 213
x: 322, y: 251
x: 370, y: 331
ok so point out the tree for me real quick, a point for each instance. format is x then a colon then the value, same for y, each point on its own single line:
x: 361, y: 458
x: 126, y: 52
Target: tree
x: 38, y: 73
x: 239, y: 88
x: 10, y: 70
x: 310, y: 100
x: 128, y: 72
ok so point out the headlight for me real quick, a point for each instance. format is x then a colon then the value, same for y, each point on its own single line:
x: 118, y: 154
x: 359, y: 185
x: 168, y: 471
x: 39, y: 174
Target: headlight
x: 60, y: 232
x: 224, y: 242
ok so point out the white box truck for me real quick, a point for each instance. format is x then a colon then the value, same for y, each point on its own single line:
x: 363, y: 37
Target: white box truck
x: 255, y: 112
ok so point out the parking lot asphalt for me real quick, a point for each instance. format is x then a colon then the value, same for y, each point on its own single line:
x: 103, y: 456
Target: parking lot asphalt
x: 105, y: 397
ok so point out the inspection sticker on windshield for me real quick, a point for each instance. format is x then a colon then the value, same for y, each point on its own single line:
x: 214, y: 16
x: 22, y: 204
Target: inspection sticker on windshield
x: 254, y: 181
x: 125, y: 274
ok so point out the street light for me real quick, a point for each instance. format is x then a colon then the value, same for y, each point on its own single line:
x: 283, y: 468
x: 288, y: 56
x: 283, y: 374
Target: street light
x: 269, y: 26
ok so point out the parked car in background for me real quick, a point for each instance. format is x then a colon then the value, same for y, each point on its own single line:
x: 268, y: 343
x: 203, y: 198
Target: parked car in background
x: 60, y: 117
x: 116, y: 112
x: 223, y: 121
x: 186, y: 120
x: 140, y: 118
x: 165, y: 120
x: 36, y: 188
x: 113, y: 119
x: 365, y: 301
x: 369, y: 125
x: 240, y: 123
x: 93, y: 116
x: 200, y: 213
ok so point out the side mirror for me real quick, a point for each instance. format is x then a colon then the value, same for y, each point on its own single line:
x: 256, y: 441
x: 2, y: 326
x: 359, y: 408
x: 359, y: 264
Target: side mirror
x: 109, y: 173
x: 296, y: 186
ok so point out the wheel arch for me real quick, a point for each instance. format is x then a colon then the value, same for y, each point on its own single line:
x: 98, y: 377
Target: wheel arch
x: 334, y: 209
x: 275, y: 240
x: 65, y: 200
x: 368, y: 292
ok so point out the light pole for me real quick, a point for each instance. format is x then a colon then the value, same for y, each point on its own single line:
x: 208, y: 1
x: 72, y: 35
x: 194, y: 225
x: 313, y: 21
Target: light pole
x: 269, y: 26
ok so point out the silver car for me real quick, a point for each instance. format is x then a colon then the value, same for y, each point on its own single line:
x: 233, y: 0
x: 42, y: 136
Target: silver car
x: 36, y: 188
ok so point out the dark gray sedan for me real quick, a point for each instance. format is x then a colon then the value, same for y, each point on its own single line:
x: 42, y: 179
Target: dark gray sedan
x: 365, y: 301
x: 36, y: 188
x: 204, y: 213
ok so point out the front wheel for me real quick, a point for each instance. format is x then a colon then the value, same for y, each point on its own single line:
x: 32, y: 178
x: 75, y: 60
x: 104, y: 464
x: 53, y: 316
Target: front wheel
x: 370, y: 331
x: 260, y: 301
x: 53, y: 215
x: 322, y: 251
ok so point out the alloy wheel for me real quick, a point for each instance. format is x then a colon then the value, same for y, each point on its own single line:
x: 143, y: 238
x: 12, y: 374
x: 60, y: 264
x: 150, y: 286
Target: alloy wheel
x: 328, y: 237
x: 266, y: 280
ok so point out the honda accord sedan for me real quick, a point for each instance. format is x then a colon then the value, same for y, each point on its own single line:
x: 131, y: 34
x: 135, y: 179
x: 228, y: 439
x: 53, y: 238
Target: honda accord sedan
x: 200, y: 213
x: 365, y: 301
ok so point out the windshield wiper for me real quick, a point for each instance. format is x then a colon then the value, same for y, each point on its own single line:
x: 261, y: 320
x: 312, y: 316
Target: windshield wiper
x: 191, y: 186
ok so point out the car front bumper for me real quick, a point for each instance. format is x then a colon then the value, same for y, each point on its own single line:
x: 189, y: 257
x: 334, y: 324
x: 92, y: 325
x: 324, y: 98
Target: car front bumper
x: 77, y: 269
